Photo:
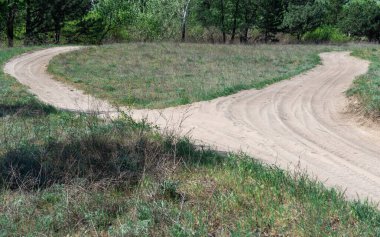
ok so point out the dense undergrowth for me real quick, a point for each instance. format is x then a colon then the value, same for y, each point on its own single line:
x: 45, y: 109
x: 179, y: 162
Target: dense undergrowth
x: 74, y: 174
x: 367, y: 87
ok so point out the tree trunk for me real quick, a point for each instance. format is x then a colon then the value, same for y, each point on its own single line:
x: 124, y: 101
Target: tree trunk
x: 28, y: 24
x: 57, y: 33
x: 222, y: 21
x: 57, y: 29
x: 299, y: 37
x: 184, y: 19
x: 10, y: 22
x: 248, y: 22
x: 235, y: 21
x: 244, y: 37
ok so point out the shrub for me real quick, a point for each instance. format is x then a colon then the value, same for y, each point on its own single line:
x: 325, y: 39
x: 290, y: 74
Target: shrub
x: 326, y: 34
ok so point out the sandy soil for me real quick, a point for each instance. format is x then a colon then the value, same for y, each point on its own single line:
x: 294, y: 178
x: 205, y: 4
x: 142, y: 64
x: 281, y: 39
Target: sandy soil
x: 296, y: 124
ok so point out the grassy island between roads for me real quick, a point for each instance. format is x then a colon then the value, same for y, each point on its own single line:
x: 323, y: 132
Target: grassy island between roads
x: 158, y: 75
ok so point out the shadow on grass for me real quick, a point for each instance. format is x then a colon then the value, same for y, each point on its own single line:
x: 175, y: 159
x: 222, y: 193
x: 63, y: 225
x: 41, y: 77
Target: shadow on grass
x: 116, y: 155
x: 32, y: 109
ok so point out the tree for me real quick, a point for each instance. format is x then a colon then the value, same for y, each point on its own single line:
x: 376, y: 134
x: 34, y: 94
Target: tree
x: 185, y: 13
x: 361, y: 18
x: 235, y: 16
x: 37, y: 21
x: 270, y: 15
x: 66, y: 10
x: 12, y: 6
x: 223, y: 19
x: 44, y: 19
x: 9, y: 10
x: 2, y: 18
x: 104, y: 17
x: 241, y: 17
x: 161, y: 20
x: 301, y: 18
x: 229, y: 16
x: 212, y: 13
x: 334, y: 10
x: 249, y: 18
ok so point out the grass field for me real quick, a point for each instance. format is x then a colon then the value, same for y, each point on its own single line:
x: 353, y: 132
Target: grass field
x: 162, y: 75
x: 367, y: 87
x: 229, y: 197
x: 66, y: 174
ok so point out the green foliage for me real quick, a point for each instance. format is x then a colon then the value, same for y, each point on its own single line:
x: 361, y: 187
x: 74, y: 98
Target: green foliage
x: 96, y: 22
x: 3, y: 12
x: 231, y: 17
x: 299, y: 19
x: 169, y: 188
x: 44, y: 20
x: 361, y: 18
x: 325, y: 34
x: 334, y: 10
x: 105, y: 19
x: 270, y: 16
x: 157, y: 20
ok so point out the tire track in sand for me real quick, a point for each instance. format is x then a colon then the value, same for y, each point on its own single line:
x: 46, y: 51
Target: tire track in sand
x: 296, y: 124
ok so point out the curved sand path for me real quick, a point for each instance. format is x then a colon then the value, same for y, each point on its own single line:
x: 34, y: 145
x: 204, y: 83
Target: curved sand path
x: 296, y: 124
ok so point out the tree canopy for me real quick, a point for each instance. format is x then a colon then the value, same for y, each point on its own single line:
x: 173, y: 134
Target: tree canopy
x: 98, y: 21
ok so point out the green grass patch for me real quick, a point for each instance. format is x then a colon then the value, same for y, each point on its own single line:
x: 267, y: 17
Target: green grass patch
x: 236, y: 196
x: 367, y: 87
x: 71, y: 174
x: 158, y: 75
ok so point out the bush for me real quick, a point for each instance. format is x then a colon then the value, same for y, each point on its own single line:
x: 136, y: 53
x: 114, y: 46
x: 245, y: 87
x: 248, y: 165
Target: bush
x: 326, y: 34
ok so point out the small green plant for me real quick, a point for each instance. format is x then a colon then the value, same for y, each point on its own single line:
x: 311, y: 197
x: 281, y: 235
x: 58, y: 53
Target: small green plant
x: 169, y: 188
x: 326, y: 34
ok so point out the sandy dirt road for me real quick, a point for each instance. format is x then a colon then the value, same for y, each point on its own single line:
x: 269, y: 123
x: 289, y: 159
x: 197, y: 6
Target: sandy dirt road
x: 297, y: 123
x: 30, y: 70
